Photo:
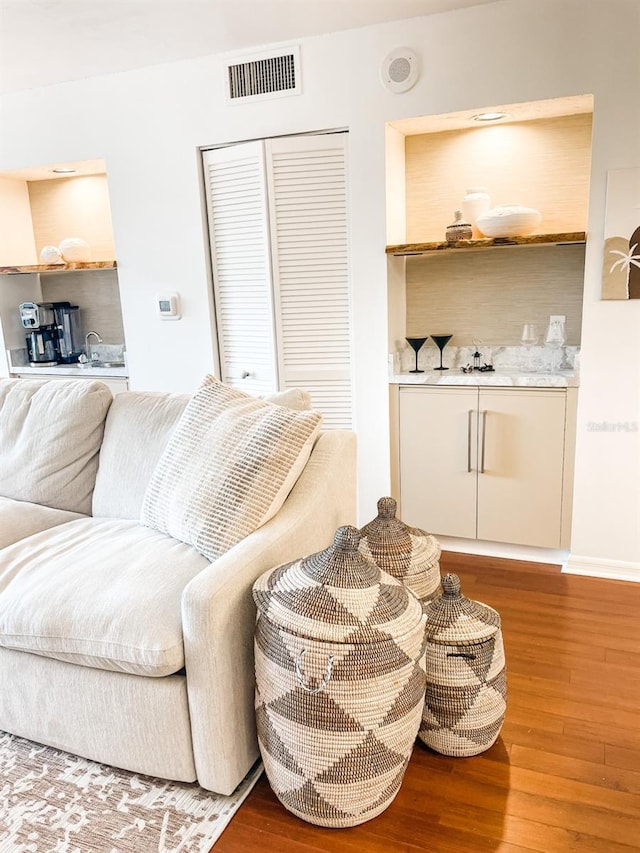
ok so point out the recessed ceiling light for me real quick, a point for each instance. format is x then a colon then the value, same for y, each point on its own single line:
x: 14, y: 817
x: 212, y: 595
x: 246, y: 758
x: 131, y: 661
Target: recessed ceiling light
x: 64, y: 171
x: 489, y: 116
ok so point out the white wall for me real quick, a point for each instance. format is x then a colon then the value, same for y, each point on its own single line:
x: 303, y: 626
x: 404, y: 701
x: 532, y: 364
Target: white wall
x: 148, y: 124
x: 17, y: 243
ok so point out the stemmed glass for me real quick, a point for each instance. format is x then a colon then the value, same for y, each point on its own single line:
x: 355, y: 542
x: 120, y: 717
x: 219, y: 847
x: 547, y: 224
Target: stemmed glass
x: 441, y: 341
x: 529, y: 339
x: 416, y: 345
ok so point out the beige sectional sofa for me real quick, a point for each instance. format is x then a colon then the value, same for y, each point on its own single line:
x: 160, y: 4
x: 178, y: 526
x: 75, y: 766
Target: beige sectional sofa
x: 119, y: 639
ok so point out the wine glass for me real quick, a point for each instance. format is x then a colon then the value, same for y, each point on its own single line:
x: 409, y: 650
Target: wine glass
x: 416, y: 345
x: 529, y: 339
x: 441, y: 341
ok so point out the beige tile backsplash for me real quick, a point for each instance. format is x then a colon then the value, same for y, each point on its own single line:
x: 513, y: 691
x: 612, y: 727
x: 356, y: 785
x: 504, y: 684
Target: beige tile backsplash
x: 97, y: 294
x: 488, y: 295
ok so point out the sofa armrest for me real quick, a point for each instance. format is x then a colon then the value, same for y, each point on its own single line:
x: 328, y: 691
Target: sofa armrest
x: 218, y: 612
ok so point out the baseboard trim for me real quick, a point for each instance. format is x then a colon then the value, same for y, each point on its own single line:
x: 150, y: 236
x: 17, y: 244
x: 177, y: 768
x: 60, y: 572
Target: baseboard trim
x: 507, y: 551
x: 597, y: 567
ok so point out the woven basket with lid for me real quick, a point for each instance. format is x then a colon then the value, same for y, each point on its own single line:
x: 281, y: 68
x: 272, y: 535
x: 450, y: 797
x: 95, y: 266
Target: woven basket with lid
x: 466, y: 693
x: 407, y: 553
x: 339, y: 659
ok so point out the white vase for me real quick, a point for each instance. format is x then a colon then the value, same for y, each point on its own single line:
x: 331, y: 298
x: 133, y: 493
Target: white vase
x: 475, y: 202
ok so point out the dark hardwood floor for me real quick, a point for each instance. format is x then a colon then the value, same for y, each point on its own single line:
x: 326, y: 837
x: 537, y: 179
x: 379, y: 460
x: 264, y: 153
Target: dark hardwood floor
x: 564, y: 774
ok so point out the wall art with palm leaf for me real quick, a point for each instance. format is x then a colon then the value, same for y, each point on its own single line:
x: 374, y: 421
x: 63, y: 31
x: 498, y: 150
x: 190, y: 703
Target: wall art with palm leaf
x: 621, y: 260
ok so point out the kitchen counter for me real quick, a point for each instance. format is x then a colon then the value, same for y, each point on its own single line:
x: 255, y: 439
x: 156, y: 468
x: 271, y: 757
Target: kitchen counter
x: 559, y: 379
x: 69, y: 370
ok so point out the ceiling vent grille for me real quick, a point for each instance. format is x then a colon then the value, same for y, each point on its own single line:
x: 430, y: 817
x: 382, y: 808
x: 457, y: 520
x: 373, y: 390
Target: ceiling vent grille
x: 268, y: 75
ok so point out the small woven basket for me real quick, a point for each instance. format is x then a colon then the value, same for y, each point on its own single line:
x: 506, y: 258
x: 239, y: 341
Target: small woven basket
x: 406, y: 553
x: 339, y: 660
x: 466, y: 695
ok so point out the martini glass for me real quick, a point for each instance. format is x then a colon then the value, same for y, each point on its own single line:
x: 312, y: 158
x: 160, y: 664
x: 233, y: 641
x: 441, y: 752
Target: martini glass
x: 416, y: 344
x: 441, y: 341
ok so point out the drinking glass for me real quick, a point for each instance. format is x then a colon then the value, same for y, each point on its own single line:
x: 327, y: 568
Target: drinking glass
x: 529, y: 339
x: 441, y: 341
x: 416, y: 345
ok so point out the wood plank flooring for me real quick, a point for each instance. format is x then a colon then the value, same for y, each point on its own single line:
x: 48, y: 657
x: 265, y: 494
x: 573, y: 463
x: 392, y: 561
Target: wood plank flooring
x: 563, y: 776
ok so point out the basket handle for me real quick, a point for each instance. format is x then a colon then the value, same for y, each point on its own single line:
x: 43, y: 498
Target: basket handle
x: 325, y: 678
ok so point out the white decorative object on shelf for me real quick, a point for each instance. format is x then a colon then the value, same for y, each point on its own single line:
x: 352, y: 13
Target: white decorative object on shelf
x: 555, y: 336
x: 459, y: 229
x: 509, y: 220
x: 74, y: 250
x: 475, y: 202
x: 51, y: 255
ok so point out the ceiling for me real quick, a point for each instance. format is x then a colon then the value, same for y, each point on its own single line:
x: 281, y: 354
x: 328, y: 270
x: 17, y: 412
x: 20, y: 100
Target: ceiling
x: 52, y: 41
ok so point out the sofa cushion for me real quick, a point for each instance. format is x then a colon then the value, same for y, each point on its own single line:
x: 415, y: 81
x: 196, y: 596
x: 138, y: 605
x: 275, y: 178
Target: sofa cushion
x: 136, y: 432
x: 229, y: 466
x: 142, y: 422
x: 292, y: 398
x: 102, y: 593
x: 50, y: 436
x: 19, y: 519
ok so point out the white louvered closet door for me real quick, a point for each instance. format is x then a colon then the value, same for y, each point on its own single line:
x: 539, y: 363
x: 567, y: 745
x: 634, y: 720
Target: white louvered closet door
x: 307, y: 191
x: 237, y: 210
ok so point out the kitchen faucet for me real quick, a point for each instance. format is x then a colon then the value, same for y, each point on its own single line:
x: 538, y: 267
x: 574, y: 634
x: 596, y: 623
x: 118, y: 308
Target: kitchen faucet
x: 87, y: 345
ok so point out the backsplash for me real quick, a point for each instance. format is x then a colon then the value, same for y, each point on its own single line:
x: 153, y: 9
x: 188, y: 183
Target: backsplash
x: 516, y: 359
x: 488, y: 295
x: 98, y: 295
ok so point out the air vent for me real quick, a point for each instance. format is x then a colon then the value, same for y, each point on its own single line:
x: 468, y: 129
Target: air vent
x: 267, y: 75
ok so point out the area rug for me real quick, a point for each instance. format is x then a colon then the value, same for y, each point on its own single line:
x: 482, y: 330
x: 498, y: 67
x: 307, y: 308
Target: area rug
x: 53, y: 802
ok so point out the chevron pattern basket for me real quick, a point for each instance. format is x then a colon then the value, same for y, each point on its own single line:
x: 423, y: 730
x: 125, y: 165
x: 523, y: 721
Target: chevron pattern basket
x: 339, y: 658
x: 466, y: 674
x: 407, y: 553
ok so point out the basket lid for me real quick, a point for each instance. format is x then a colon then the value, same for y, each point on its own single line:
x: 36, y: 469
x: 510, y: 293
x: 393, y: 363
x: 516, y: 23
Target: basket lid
x: 338, y: 595
x: 394, y: 546
x: 453, y: 619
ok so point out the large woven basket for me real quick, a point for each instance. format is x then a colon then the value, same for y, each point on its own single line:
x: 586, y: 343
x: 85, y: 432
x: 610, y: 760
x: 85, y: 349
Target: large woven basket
x: 407, y: 553
x: 339, y: 659
x: 466, y: 693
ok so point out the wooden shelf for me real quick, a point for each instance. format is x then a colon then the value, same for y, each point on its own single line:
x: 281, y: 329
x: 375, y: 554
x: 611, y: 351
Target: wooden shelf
x: 568, y: 238
x: 47, y: 268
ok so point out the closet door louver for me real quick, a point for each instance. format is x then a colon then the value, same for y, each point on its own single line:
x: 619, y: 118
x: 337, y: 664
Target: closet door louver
x: 309, y: 248
x: 239, y: 235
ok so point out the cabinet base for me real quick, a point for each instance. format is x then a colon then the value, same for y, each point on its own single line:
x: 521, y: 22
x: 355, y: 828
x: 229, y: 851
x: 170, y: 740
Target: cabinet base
x: 505, y: 550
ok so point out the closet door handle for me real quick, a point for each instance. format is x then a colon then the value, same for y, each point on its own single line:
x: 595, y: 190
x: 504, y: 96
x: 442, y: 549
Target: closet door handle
x: 469, y: 441
x: 484, y: 432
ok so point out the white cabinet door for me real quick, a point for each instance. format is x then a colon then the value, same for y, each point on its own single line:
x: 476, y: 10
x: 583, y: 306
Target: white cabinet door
x: 279, y: 243
x: 483, y: 463
x: 521, y: 440
x: 438, y: 457
x: 307, y: 182
x: 235, y: 186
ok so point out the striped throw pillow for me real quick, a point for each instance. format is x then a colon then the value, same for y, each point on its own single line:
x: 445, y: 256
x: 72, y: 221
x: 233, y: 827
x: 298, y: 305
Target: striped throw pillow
x: 227, y: 468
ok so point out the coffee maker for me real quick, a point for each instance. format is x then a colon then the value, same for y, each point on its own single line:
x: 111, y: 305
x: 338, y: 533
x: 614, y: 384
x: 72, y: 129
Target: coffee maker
x: 42, y: 338
x: 54, y: 335
x: 67, y: 319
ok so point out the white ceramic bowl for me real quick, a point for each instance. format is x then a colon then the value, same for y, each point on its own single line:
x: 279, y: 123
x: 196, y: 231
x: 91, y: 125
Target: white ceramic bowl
x: 508, y: 220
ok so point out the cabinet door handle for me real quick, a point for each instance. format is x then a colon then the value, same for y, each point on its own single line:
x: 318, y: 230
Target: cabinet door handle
x: 469, y: 441
x: 484, y: 432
